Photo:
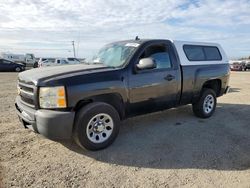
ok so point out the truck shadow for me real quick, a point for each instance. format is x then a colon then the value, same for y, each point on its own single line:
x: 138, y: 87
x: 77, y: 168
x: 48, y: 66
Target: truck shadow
x: 233, y: 90
x: 175, y: 139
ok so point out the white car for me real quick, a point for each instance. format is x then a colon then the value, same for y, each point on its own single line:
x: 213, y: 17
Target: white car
x: 44, y: 62
x: 62, y: 62
x: 73, y: 60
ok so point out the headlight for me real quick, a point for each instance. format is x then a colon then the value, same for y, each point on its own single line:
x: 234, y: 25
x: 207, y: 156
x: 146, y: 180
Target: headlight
x: 52, y: 97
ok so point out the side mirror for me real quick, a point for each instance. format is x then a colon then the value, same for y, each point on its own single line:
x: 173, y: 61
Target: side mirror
x: 146, y: 63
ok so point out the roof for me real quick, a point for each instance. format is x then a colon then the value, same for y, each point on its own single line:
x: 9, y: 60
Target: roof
x: 176, y: 42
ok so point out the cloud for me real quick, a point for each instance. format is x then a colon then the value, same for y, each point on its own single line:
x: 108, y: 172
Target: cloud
x: 45, y: 24
x: 92, y: 13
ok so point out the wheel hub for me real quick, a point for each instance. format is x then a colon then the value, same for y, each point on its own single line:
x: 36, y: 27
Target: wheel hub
x: 208, y: 104
x: 99, y: 127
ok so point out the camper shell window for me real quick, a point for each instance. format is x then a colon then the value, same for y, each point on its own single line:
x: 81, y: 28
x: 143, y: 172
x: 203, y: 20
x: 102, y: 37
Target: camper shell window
x: 202, y: 53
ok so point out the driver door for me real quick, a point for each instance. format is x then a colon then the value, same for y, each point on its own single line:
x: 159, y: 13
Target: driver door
x: 156, y: 88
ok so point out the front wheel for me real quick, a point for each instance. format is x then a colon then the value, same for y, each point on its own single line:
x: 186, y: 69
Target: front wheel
x: 205, y: 106
x: 96, y: 126
x: 18, y: 69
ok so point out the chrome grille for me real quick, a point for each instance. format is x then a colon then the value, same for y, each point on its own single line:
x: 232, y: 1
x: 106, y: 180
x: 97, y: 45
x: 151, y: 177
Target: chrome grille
x: 26, y: 92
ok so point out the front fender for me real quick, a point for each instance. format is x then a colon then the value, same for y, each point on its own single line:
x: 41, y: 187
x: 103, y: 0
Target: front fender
x: 87, y: 91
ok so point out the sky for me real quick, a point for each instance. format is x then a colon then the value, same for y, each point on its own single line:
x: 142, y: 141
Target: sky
x: 48, y: 27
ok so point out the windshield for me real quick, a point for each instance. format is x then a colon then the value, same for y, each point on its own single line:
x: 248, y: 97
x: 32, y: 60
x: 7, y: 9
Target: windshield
x: 116, y: 54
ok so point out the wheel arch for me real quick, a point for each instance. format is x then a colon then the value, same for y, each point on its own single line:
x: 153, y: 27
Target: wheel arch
x: 214, y: 84
x: 113, y: 99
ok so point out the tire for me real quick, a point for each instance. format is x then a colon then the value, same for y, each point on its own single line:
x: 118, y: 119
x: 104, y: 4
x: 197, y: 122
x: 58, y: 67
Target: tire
x: 18, y: 69
x: 92, y: 134
x: 35, y: 65
x: 206, y: 105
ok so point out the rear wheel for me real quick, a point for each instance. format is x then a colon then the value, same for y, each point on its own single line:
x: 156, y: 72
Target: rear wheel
x: 96, y: 126
x: 205, y: 106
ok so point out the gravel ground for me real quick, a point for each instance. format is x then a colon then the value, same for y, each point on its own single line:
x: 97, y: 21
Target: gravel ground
x: 166, y: 149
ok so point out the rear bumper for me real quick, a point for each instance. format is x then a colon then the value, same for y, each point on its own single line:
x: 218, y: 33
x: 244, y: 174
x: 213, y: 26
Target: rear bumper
x: 51, y: 124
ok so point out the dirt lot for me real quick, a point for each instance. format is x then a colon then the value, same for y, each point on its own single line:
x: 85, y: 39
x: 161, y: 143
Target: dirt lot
x: 165, y: 149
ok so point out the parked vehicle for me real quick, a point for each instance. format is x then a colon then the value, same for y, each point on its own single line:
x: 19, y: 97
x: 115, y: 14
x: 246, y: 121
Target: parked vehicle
x: 63, y: 62
x: 243, y: 64
x: 36, y: 63
x: 58, y: 61
x: 25, y: 59
x: 73, y: 60
x: 237, y: 66
x: 44, y: 62
x: 82, y: 60
x: 247, y: 65
x: 6, y: 65
x: 88, y: 101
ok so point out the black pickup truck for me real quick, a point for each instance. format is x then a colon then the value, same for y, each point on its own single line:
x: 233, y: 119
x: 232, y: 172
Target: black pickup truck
x: 86, y: 102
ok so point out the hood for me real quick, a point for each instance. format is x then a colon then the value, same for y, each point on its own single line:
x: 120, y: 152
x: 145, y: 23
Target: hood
x: 34, y: 75
x: 19, y: 64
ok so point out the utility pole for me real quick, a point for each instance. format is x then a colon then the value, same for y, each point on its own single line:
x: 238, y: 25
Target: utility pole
x: 73, y: 44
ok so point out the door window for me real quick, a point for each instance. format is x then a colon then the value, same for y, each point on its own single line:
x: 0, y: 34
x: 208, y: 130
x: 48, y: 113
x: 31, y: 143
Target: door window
x: 64, y: 62
x: 160, y: 54
x: 6, y: 62
x: 29, y: 56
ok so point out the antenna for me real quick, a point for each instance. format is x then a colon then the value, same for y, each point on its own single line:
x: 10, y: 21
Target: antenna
x: 137, y: 38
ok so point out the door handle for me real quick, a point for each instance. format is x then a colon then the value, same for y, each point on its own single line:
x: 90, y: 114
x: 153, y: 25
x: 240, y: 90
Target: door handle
x: 169, y: 77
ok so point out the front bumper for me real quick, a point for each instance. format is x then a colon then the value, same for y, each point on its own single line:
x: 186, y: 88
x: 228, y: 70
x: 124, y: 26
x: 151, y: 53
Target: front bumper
x: 235, y: 69
x: 51, y: 124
